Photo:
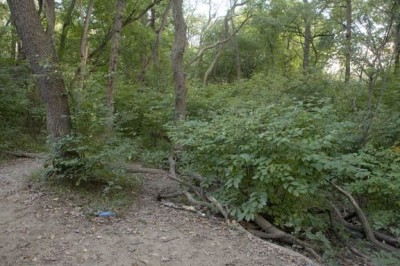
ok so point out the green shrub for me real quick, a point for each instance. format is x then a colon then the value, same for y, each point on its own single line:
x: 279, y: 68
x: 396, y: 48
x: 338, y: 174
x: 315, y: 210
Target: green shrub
x: 82, y: 160
x: 273, y: 160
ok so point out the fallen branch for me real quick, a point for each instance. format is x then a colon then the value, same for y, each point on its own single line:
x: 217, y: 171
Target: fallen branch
x: 369, y: 234
x: 24, y: 154
x: 144, y: 170
x: 218, y: 206
x: 181, y: 207
x: 342, y: 241
x: 197, y: 202
x: 272, y: 232
x: 170, y: 195
x: 378, y: 235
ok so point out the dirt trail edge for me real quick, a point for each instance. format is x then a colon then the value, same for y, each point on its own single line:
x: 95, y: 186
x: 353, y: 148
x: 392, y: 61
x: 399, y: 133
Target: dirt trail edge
x: 38, y: 229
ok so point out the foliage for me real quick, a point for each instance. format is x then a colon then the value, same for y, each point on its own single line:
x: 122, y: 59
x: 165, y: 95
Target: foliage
x: 385, y: 258
x: 270, y: 143
x: 79, y: 160
x: 268, y: 159
x: 377, y: 180
x: 278, y: 159
x: 21, y: 113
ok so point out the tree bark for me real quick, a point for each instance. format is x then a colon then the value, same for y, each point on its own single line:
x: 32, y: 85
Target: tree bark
x: 49, y: 11
x: 178, y: 51
x: 112, y: 65
x: 41, y: 53
x: 348, y: 41
x: 397, y: 37
x: 307, y: 39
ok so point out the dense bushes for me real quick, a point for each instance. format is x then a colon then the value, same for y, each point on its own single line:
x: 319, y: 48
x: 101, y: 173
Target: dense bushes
x: 280, y: 158
x: 273, y: 159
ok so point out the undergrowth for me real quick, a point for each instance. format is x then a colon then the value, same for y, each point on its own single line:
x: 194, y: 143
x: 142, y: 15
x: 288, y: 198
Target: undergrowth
x: 93, y: 197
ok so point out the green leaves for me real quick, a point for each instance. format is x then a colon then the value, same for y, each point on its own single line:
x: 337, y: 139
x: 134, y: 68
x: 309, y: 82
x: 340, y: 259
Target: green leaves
x: 256, y: 202
x: 80, y: 160
x: 285, y: 152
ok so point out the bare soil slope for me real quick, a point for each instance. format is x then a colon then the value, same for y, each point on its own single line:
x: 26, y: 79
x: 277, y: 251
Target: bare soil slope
x: 36, y: 228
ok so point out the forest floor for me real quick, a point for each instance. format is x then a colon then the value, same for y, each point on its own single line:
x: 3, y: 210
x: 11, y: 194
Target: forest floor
x: 40, y: 227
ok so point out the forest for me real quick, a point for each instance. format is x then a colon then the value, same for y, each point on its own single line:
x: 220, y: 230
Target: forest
x: 281, y: 114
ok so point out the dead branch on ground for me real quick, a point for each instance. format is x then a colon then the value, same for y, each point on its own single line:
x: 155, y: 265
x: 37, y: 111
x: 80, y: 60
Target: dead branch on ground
x: 272, y: 232
x: 378, y: 235
x: 340, y: 238
x: 369, y: 234
x: 24, y: 154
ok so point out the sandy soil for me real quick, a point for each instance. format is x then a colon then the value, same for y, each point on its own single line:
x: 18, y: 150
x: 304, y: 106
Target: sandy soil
x: 36, y: 228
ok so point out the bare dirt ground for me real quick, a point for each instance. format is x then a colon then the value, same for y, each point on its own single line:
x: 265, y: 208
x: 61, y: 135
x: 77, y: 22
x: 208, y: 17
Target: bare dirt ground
x: 38, y: 229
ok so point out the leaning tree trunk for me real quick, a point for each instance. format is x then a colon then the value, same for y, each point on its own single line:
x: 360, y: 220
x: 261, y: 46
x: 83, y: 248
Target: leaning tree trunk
x: 112, y: 65
x: 177, y: 60
x: 41, y: 54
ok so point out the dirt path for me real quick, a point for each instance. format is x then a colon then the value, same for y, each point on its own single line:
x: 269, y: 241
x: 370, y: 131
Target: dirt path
x: 38, y: 229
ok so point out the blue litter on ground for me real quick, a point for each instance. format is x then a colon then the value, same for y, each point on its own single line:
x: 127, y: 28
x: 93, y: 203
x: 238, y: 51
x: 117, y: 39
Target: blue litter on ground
x: 106, y: 214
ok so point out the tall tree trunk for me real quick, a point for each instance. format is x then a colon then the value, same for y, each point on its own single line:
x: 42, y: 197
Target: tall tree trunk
x: 154, y: 52
x: 397, y: 37
x: 112, y: 65
x: 348, y: 41
x: 307, y: 39
x: 178, y: 51
x: 65, y: 28
x: 237, y: 52
x: 41, y: 53
x: 84, y: 47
